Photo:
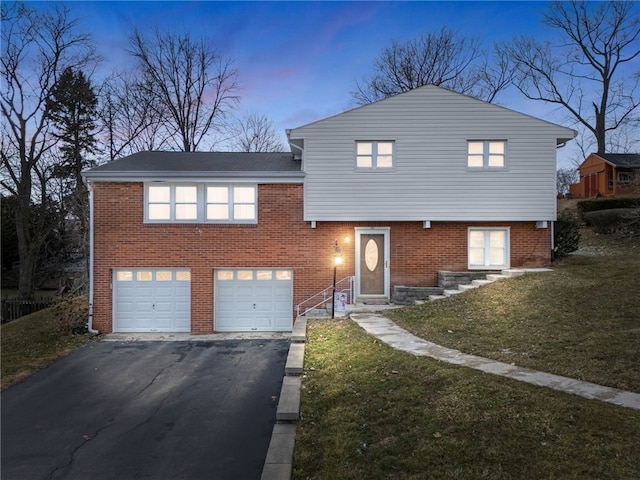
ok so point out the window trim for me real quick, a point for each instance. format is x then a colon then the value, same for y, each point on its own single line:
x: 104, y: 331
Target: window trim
x: 374, y: 156
x: 487, y: 265
x: 486, y: 154
x: 201, y: 205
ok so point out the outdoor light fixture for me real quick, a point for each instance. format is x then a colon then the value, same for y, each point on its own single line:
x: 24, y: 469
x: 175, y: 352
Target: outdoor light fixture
x: 337, y: 260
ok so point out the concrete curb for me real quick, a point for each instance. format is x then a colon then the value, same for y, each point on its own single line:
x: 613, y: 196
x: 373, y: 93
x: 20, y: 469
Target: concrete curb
x: 279, y: 462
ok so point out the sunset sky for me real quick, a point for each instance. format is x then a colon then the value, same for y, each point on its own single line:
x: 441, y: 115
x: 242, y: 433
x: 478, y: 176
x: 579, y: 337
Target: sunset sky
x: 299, y: 61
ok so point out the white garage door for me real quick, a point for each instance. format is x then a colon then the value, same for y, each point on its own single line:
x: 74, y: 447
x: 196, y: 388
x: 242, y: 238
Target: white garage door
x: 151, y: 300
x: 248, y: 300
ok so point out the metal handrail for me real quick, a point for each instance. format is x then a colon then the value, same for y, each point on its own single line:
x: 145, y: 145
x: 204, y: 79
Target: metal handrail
x: 327, y: 295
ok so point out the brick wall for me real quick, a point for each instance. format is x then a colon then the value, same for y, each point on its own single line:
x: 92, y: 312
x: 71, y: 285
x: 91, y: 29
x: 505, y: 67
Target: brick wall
x: 281, y: 239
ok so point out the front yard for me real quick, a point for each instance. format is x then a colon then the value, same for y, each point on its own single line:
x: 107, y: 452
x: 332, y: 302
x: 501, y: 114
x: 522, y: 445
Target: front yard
x: 369, y: 411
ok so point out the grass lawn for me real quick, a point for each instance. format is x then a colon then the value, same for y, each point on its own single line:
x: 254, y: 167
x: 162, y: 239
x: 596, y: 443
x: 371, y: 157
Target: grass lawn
x: 370, y: 412
x: 33, y: 342
x: 582, y: 320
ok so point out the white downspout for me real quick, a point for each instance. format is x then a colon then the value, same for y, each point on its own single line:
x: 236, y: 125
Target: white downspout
x: 90, y: 319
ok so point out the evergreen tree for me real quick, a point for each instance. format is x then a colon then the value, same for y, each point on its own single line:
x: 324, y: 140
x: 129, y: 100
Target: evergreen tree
x: 73, y: 109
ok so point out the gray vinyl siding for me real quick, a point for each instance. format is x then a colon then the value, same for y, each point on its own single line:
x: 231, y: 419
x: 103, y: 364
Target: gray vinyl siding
x: 430, y: 179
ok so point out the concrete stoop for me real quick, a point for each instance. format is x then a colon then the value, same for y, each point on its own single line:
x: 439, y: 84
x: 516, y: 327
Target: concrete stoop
x: 278, y: 464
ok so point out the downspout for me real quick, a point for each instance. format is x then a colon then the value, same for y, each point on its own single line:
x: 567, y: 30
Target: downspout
x: 90, y: 319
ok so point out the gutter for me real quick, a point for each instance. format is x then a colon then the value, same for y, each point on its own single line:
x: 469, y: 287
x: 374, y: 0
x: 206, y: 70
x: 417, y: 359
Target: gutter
x: 92, y: 331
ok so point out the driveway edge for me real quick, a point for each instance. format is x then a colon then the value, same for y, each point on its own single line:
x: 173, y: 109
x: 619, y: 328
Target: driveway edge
x: 279, y: 462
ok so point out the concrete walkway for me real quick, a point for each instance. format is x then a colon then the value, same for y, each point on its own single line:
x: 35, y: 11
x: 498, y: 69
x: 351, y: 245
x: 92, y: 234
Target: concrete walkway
x: 401, y: 339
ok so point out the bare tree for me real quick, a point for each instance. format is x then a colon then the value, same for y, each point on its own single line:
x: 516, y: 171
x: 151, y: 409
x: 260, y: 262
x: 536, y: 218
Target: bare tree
x: 255, y: 133
x: 444, y: 58
x: 583, y: 71
x: 37, y: 45
x: 130, y: 117
x: 564, y: 178
x: 193, y: 85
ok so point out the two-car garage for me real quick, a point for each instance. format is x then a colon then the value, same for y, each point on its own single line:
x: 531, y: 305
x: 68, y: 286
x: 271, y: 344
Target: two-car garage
x: 245, y: 300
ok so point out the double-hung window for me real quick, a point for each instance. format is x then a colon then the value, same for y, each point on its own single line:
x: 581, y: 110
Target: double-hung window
x: 231, y: 204
x: 374, y: 155
x: 488, y: 248
x: 203, y: 203
x: 486, y: 154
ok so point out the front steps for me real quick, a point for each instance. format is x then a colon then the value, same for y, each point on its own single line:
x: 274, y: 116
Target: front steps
x: 361, y: 307
x: 490, y: 278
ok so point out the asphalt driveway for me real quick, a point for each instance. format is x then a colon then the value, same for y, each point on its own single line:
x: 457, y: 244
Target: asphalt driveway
x: 146, y: 410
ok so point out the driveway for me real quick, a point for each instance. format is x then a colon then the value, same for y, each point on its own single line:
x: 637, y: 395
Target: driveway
x: 146, y: 410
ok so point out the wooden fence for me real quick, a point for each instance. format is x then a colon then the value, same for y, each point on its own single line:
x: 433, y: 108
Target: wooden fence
x: 13, y: 308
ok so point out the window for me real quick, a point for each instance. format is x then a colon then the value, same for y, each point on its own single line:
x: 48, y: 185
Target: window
x: 374, y: 155
x: 201, y: 203
x: 626, y: 177
x: 486, y: 153
x: 488, y: 248
x: 231, y: 203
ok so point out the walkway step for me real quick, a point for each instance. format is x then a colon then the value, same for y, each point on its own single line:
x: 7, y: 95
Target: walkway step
x: 448, y: 293
x: 480, y: 283
x: 513, y: 272
x: 436, y: 297
x: 493, y: 277
x: 465, y: 287
x: 295, y: 359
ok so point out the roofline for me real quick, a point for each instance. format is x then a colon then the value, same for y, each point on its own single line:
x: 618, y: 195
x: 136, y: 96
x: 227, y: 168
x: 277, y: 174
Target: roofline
x: 605, y: 160
x: 202, y: 176
x: 559, y: 139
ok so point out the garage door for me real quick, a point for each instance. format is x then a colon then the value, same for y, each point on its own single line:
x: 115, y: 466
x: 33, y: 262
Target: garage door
x: 248, y: 300
x: 151, y: 300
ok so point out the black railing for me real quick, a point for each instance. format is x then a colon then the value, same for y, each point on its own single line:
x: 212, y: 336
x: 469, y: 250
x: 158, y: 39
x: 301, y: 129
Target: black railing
x: 14, y: 308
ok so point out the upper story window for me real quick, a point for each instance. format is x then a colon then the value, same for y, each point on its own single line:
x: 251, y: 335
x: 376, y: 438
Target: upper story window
x: 231, y: 203
x: 374, y: 155
x: 486, y: 153
x: 203, y: 203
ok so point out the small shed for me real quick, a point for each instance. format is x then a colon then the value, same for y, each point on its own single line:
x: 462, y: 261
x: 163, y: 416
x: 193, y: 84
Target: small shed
x: 608, y: 174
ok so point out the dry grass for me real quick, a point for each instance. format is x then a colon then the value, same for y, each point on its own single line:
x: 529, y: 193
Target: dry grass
x: 371, y: 412
x: 582, y: 320
x: 33, y: 342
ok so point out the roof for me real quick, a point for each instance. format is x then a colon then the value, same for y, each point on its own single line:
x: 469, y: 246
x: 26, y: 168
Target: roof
x: 424, y: 96
x: 631, y: 160
x: 148, y: 164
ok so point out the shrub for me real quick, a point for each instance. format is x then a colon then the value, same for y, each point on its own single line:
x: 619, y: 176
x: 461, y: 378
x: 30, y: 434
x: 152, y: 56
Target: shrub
x: 566, y: 234
x: 586, y: 206
x: 615, y: 221
x: 71, y: 313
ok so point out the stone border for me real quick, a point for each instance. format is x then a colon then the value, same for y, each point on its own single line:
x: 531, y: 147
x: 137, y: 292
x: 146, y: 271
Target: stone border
x: 279, y: 462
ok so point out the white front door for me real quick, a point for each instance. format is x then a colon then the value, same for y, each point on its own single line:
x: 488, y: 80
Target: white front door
x: 372, y: 262
x: 151, y: 300
x: 253, y: 300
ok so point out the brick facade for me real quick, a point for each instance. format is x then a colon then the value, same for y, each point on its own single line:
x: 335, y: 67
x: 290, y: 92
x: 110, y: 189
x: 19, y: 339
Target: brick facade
x: 281, y: 239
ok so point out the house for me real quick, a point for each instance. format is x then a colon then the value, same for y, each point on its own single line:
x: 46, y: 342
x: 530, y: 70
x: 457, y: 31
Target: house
x: 607, y: 174
x: 403, y: 188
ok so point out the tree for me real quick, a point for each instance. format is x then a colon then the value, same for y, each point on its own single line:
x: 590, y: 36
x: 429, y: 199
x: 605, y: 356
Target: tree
x: 37, y: 45
x: 445, y: 58
x: 72, y: 107
x: 129, y: 116
x: 564, y: 178
x: 193, y: 86
x: 255, y: 133
x: 583, y: 71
